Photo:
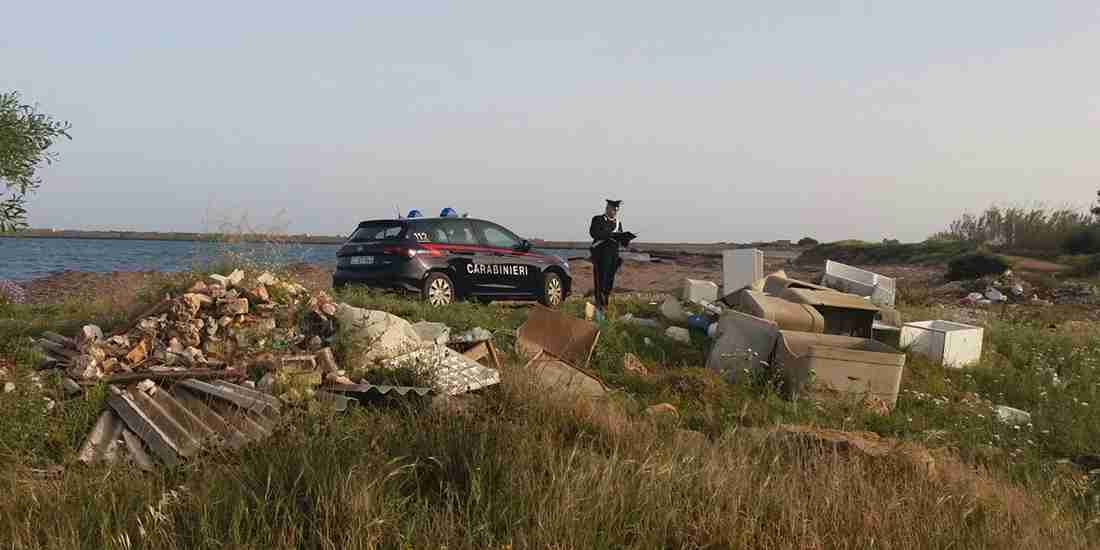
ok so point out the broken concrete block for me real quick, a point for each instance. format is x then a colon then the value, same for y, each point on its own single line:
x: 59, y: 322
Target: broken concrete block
x: 138, y: 354
x: 229, y: 306
x: 381, y: 336
x: 696, y: 291
x: 9, y: 387
x: 234, y: 278
x: 258, y: 295
x: 265, y: 324
x: 679, y: 334
x: 673, y: 311
x: 338, y: 379
x: 432, y: 333
x: 745, y: 344
x: 822, y: 364
x: 147, y: 386
x: 198, y: 288
x: 266, y: 279
x: 741, y: 268
x: 220, y: 280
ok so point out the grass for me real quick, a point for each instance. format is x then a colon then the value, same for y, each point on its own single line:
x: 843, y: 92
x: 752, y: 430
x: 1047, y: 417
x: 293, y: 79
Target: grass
x: 526, y: 469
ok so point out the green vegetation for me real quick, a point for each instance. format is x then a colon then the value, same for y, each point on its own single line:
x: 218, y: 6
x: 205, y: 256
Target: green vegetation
x: 522, y: 468
x: 26, y: 136
x: 864, y: 253
x: 975, y: 266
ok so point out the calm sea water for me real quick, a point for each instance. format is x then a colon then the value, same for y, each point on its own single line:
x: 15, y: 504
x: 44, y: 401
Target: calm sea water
x: 23, y: 259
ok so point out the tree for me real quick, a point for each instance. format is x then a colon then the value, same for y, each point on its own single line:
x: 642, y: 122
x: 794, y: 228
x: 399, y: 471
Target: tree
x: 808, y: 241
x: 25, y: 139
x: 1096, y: 209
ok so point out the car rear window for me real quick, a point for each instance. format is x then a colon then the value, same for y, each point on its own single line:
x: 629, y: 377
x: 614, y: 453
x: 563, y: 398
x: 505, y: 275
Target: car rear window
x: 377, y: 231
x: 443, y: 231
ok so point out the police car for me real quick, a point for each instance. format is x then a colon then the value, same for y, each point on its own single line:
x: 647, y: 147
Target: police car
x: 448, y: 258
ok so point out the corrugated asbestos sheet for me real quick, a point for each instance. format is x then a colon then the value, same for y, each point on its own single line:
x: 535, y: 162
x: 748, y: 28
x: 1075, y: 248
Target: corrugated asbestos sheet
x: 158, y: 424
x: 372, y: 390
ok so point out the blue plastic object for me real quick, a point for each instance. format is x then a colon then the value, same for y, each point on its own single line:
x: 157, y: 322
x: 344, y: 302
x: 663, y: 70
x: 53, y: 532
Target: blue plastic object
x: 415, y: 214
x: 448, y: 213
x: 698, y: 322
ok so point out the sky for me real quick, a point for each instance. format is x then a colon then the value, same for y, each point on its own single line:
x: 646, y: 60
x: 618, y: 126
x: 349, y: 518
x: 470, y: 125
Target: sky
x: 714, y: 121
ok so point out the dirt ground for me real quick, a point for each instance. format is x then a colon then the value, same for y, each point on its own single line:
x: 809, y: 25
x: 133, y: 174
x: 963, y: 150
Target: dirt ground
x: 650, y: 277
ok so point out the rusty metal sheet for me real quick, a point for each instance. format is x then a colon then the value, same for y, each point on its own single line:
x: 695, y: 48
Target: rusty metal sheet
x: 570, y: 339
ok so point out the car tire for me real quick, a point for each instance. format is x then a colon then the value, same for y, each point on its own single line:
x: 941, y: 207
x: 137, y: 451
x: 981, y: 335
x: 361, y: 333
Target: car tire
x: 438, y: 290
x: 553, y: 292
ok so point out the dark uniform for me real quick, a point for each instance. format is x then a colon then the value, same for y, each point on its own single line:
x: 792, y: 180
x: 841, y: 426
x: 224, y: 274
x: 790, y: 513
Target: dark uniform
x: 607, y: 237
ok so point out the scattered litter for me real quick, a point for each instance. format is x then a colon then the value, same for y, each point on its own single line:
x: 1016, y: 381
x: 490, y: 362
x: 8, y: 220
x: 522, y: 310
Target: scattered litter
x: 995, y: 295
x: 1012, y: 416
x: 679, y: 334
x: 432, y: 333
x: 476, y: 334
x: 662, y: 410
x: 787, y: 315
x: 629, y: 318
x: 698, y: 322
x: 556, y: 375
x: 632, y: 364
x: 567, y: 338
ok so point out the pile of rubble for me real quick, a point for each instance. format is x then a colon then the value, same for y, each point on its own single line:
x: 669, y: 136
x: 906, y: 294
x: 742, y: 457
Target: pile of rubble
x: 182, y: 374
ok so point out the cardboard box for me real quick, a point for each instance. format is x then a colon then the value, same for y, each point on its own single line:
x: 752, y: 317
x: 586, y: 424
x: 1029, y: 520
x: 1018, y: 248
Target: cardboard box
x: 823, y: 364
x: 950, y: 344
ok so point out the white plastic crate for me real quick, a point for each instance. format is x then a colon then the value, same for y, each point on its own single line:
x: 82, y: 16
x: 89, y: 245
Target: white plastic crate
x: 951, y: 344
x: 854, y: 280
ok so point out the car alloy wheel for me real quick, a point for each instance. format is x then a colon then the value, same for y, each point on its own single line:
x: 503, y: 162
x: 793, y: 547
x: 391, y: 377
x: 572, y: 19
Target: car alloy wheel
x: 554, y: 291
x: 440, y: 292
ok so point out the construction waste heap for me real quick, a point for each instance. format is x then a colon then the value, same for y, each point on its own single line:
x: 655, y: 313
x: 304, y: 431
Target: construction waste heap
x: 183, y: 375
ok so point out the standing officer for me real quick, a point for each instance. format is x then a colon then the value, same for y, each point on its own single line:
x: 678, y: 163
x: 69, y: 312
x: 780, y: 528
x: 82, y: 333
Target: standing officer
x: 607, y: 237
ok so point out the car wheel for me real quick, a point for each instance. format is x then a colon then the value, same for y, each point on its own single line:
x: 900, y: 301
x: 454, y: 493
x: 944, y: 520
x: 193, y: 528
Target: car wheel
x: 438, y: 290
x: 553, y: 293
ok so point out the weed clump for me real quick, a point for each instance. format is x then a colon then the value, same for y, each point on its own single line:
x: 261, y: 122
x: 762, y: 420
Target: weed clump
x: 975, y: 266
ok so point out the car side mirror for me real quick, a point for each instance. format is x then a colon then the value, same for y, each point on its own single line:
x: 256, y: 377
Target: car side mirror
x: 524, y: 246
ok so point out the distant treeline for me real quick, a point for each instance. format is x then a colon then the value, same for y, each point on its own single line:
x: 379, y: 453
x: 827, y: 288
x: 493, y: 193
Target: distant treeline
x: 1038, y: 229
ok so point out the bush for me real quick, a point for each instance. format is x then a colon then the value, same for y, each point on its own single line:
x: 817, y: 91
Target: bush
x: 974, y: 266
x: 11, y: 293
x: 808, y: 241
x: 1085, y: 240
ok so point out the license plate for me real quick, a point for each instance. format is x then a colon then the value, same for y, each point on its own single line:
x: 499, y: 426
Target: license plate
x: 362, y: 260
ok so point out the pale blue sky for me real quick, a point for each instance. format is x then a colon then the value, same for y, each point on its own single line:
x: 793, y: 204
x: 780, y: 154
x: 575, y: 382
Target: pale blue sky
x: 724, y: 121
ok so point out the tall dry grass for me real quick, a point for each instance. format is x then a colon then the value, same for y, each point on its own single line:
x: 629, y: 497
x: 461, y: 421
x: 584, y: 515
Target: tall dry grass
x: 521, y: 468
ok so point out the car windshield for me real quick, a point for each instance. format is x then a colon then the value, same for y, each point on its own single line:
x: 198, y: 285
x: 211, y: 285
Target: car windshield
x: 377, y: 231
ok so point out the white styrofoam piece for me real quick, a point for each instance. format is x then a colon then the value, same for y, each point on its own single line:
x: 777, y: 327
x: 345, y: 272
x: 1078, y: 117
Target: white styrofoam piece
x: 699, y: 291
x: 951, y: 344
x: 452, y: 373
x: 854, y: 280
x: 741, y: 268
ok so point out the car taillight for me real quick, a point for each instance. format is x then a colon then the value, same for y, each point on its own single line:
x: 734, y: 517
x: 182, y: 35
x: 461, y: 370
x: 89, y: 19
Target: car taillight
x: 411, y: 253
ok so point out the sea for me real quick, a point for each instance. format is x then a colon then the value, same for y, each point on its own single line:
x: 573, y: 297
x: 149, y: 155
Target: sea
x: 22, y: 259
